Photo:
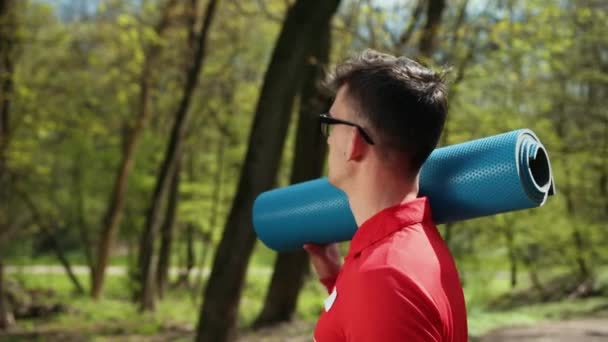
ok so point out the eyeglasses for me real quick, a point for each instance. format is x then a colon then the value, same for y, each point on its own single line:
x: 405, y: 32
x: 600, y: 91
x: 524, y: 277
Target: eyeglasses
x: 327, y: 120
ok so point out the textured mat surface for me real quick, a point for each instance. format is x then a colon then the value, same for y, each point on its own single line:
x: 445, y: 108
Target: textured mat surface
x: 497, y: 174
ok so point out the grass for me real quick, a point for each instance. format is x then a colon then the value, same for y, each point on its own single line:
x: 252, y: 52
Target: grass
x: 75, y: 258
x: 115, y: 314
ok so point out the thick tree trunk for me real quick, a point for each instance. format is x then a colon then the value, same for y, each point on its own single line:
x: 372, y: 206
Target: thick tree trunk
x: 145, y: 260
x: 291, y: 268
x: 433, y: 21
x: 167, y: 232
x: 303, y: 25
x: 113, y: 213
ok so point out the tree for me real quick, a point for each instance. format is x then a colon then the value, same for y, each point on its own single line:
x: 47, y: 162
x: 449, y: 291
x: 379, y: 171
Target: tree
x: 291, y: 268
x: 405, y: 37
x: 216, y: 199
x: 303, y: 24
x: 146, y: 296
x: 8, y: 33
x: 433, y: 21
x: 167, y: 232
x: 48, y: 231
x: 112, y: 217
x: 8, y: 23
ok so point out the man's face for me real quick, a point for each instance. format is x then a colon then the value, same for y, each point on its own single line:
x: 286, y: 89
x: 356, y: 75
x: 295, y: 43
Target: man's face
x: 339, y: 140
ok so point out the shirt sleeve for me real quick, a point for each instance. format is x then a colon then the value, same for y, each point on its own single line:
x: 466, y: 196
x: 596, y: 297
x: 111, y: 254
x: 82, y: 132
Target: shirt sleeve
x: 329, y: 282
x: 391, y: 307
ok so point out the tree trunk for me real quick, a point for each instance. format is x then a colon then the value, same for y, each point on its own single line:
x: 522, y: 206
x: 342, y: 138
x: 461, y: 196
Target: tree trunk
x: 189, y: 239
x: 405, y: 37
x: 509, y: 236
x: 580, y: 246
x: 182, y: 117
x: 8, y: 26
x: 291, y: 268
x: 184, y: 277
x: 303, y: 25
x: 50, y: 234
x: 113, y: 214
x: 603, y: 180
x: 48, y: 230
x: 530, y: 257
x: 535, y: 280
x: 447, y: 236
x: 83, y: 227
x: 433, y: 21
x: 216, y: 198
x: 6, y: 315
x: 164, y: 255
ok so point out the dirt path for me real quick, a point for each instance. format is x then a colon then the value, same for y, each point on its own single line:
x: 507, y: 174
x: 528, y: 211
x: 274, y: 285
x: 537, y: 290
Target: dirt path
x: 591, y: 329
x: 588, y: 330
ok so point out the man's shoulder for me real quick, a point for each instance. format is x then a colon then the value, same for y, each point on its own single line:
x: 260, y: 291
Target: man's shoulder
x: 399, y: 289
x: 415, y: 256
x: 386, y: 277
x: 408, y: 250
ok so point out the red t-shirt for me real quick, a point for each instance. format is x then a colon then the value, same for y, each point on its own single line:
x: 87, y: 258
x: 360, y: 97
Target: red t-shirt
x: 398, y: 283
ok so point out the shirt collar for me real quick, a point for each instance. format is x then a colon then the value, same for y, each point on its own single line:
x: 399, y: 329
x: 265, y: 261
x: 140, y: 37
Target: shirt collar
x: 387, y: 221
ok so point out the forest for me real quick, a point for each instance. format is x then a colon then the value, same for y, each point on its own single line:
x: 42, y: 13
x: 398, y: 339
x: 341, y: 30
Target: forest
x: 135, y: 136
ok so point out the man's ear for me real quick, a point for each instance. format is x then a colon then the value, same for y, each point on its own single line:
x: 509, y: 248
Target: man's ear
x: 357, y: 146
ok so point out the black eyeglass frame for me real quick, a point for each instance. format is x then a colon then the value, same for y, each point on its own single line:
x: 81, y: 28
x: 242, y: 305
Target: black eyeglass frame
x: 326, y: 119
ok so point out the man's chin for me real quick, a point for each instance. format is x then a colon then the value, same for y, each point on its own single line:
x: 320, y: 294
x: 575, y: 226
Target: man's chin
x: 331, y: 179
x: 334, y: 181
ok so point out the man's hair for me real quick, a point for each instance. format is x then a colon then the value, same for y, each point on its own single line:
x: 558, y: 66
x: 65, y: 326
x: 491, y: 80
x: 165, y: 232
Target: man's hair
x: 404, y: 102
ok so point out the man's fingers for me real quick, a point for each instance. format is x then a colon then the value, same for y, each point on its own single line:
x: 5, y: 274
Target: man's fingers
x: 324, y: 258
x: 313, y: 249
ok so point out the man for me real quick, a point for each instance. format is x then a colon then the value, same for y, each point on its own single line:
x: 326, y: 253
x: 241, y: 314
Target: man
x: 399, y: 281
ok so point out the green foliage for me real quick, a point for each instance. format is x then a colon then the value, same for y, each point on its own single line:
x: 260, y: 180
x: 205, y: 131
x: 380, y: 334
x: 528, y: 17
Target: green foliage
x: 538, y: 64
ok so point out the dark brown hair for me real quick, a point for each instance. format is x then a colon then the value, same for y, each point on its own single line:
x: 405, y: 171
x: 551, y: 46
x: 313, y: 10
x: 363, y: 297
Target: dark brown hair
x: 404, y: 102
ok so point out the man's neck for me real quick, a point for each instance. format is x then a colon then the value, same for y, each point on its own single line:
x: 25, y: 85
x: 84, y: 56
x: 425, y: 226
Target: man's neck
x: 377, y: 191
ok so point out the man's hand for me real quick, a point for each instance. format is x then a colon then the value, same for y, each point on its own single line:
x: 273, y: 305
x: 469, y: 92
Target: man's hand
x: 326, y: 259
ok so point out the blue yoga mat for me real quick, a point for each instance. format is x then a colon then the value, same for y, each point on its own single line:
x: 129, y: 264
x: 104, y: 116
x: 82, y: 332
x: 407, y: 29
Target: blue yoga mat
x: 497, y: 174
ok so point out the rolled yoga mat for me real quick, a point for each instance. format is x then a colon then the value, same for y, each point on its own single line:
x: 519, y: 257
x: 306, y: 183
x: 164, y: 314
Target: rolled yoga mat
x: 497, y: 174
